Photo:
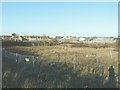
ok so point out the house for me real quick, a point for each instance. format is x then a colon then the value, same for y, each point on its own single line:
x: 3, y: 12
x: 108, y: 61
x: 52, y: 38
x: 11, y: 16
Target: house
x: 89, y: 40
x: 37, y: 38
x: 32, y: 38
x: 81, y: 39
x: 58, y: 38
x: 6, y: 38
x: 44, y: 37
x: 52, y: 37
x: 16, y: 38
x: 1, y: 37
x: 29, y: 38
x: 24, y: 38
x: 70, y: 39
x: 115, y: 40
x: 103, y: 40
x: 12, y: 38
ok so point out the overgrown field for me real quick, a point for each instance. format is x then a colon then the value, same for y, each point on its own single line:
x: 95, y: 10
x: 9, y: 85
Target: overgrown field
x: 61, y: 66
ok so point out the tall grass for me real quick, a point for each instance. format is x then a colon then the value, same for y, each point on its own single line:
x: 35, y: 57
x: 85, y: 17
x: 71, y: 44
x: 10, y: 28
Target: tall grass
x: 55, y: 67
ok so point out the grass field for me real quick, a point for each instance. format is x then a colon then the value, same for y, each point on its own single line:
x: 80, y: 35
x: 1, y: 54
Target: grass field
x: 61, y: 66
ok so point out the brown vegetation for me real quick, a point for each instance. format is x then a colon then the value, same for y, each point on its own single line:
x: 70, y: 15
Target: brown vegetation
x: 61, y: 66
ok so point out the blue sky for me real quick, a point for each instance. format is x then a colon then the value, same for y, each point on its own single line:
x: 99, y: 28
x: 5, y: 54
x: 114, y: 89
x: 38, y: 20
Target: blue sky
x: 65, y: 18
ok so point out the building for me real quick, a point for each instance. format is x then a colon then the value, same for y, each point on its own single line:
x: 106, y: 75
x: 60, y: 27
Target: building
x: 81, y: 39
x: 104, y: 40
x: 37, y: 38
x: 11, y: 38
x: 1, y: 37
x: 52, y: 37
x: 71, y: 39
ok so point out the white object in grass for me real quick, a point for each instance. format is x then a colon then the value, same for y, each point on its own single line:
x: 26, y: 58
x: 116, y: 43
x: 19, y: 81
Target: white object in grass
x: 86, y: 55
x: 27, y: 59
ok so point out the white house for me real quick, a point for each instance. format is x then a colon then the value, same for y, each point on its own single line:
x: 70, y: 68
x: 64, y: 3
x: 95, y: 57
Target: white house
x: 81, y: 39
x: 52, y: 37
x: 71, y: 39
x: 103, y: 40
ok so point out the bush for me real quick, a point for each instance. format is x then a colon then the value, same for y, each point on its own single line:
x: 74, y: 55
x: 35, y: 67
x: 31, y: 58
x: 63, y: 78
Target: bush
x: 95, y: 45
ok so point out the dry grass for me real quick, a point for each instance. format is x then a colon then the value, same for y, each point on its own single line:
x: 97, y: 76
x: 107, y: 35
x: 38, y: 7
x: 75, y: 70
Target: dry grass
x: 83, y: 58
x: 83, y: 55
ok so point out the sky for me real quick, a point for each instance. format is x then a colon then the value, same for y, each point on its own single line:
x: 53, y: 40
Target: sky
x: 60, y: 18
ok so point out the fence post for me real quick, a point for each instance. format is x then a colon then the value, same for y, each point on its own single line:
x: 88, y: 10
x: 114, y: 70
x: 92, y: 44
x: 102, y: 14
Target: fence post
x: 16, y: 54
x: 33, y: 60
x: 37, y: 58
x: 97, y: 57
x: 65, y: 54
x: 74, y: 61
x: 110, y: 55
x: 57, y: 56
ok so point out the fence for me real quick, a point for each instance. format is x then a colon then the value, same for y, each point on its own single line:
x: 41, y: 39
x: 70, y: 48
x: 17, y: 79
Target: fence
x: 31, y: 59
x: 74, y: 56
x: 19, y: 58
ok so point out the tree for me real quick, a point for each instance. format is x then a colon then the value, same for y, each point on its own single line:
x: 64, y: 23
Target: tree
x: 14, y: 34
